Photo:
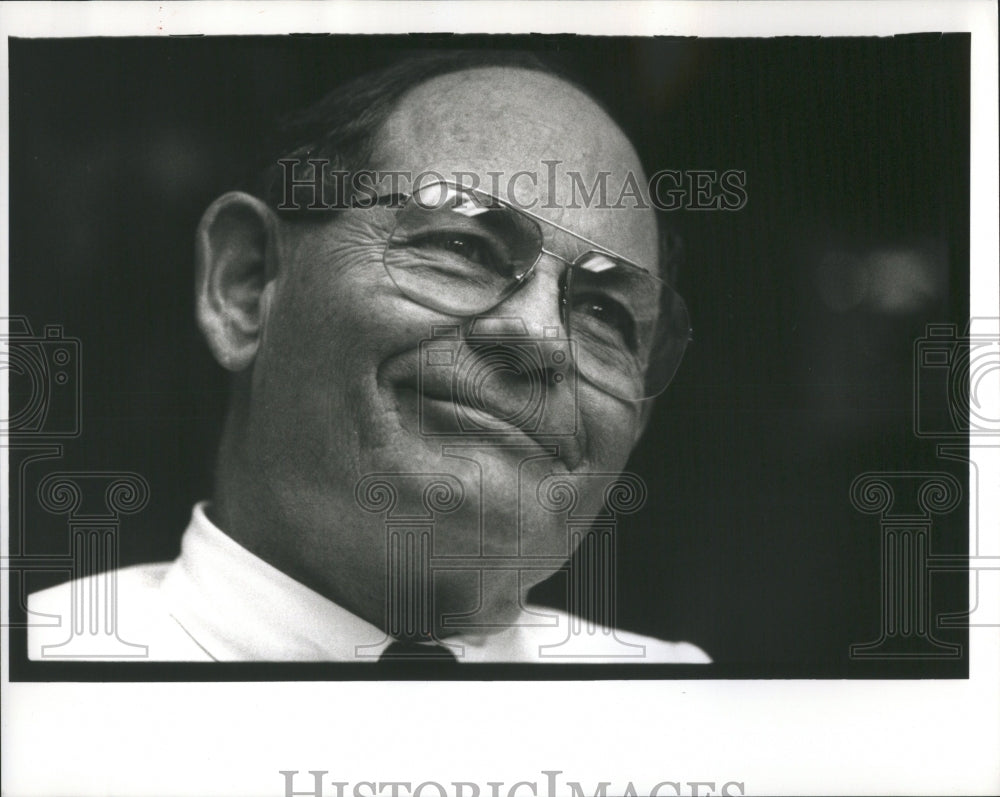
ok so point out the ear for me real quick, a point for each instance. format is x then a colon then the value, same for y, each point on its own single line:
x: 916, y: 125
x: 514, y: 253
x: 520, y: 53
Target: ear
x: 236, y: 256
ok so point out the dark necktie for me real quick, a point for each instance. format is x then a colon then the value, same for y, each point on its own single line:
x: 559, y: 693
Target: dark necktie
x: 415, y: 652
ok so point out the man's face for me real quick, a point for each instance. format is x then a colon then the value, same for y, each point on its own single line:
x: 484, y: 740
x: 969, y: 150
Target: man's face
x: 336, y: 388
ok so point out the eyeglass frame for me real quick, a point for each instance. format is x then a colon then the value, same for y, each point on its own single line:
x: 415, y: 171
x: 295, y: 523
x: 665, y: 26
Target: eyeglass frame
x: 399, y: 199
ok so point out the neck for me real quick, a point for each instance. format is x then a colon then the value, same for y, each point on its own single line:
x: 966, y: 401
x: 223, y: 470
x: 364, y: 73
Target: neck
x: 338, y: 551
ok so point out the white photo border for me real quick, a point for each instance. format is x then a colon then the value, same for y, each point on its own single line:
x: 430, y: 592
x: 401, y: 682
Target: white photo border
x: 774, y: 737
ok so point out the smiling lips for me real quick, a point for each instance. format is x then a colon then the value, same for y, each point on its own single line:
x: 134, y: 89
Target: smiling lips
x: 443, y: 409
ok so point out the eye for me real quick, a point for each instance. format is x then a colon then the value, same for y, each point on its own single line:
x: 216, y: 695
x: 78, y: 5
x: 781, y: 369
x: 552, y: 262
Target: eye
x: 606, y: 318
x: 469, y: 249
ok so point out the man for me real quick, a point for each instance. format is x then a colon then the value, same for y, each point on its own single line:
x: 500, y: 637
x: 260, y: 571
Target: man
x: 435, y: 378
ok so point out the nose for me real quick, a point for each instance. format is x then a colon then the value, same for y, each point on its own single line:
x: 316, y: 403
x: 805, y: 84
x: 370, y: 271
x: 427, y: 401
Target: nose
x: 530, y: 384
x: 535, y: 308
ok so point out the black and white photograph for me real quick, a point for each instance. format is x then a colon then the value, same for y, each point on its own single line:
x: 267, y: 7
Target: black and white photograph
x: 359, y: 375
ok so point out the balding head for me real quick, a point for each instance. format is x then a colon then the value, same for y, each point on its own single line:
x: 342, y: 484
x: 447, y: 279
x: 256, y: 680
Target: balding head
x: 509, y: 121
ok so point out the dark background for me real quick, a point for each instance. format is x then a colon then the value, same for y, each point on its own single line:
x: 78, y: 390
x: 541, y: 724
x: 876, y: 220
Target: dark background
x: 806, y: 304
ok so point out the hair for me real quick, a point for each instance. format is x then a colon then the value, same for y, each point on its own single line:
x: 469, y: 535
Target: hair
x: 342, y: 127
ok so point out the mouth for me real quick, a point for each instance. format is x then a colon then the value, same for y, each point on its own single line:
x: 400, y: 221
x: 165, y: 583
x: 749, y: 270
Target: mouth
x: 438, y: 415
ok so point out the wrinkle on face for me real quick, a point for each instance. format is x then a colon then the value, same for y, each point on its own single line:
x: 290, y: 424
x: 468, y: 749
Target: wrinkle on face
x: 326, y: 394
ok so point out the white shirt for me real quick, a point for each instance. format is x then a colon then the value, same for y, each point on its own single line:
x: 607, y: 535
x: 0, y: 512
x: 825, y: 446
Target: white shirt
x: 218, y: 601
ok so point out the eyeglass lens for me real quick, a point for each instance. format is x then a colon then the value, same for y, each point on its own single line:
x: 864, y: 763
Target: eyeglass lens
x: 462, y: 253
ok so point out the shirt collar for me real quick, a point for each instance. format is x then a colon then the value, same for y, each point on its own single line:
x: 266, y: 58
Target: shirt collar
x: 238, y: 607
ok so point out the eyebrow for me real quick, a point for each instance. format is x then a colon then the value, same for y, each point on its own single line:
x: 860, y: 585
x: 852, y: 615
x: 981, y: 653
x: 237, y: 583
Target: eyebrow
x: 398, y: 197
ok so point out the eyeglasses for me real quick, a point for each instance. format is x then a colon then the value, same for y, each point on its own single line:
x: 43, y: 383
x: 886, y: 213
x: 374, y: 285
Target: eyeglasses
x: 462, y: 252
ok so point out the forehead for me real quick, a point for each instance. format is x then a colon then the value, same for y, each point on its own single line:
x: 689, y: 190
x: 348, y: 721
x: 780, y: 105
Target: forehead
x: 495, y: 123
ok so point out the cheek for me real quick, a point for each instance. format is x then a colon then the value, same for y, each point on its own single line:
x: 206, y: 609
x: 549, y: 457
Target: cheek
x: 326, y: 295
x: 335, y: 318
x: 325, y: 333
x: 331, y: 305
x: 337, y: 300
x: 611, y: 428
x: 311, y: 336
